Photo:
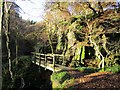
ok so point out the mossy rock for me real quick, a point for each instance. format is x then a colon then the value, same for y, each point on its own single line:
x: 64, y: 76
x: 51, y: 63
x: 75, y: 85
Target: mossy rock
x: 66, y: 83
x: 58, y: 78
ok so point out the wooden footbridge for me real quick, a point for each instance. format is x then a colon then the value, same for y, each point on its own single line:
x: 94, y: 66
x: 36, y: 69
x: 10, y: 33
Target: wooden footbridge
x: 53, y: 62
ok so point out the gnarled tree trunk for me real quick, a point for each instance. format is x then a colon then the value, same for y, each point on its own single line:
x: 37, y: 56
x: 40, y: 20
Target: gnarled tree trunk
x: 7, y: 33
x: 1, y: 20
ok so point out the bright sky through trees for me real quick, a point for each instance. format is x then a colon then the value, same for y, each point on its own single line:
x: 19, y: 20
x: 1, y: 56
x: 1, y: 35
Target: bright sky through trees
x: 32, y: 10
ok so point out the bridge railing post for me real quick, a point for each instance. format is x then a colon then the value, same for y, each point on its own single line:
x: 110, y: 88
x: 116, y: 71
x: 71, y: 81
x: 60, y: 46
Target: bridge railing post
x: 35, y: 58
x: 53, y: 63
x: 45, y: 62
x: 63, y: 59
x: 39, y: 63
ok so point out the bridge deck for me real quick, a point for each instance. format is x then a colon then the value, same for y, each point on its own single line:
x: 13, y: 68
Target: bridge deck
x: 48, y: 61
x: 50, y: 67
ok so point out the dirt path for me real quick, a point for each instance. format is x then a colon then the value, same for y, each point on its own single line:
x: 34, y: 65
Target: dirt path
x: 95, y: 80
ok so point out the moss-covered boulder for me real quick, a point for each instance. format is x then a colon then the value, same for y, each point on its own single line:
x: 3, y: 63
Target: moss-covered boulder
x: 61, y: 79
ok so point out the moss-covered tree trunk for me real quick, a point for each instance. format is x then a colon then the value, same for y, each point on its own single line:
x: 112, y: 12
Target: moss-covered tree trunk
x: 79, y: 55
x: 60, y: 44
x: 49, y: 38
x: 98, y: 53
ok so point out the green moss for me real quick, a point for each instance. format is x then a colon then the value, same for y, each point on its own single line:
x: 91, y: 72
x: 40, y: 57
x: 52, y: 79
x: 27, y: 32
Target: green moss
x: 64, y: 84
x: 67, y: 82
x: 60, y: 76
x: 113, y: 69
x: 79, y: 27
x: 63, y: 22
x: 79, y: 54
x: 60, y: 80
x: 60, y: 41
x: 92, y: 16
x: 116, y: 19
x: 86, y: 70
x: 82, y: 54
